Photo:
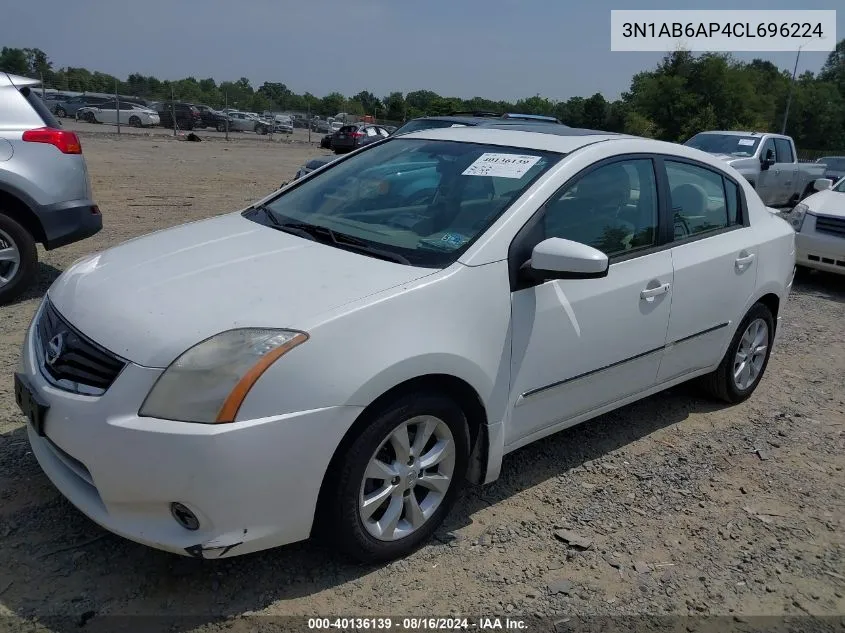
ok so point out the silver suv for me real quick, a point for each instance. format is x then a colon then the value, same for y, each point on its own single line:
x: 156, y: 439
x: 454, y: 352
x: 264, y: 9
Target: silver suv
x: 45, y: 194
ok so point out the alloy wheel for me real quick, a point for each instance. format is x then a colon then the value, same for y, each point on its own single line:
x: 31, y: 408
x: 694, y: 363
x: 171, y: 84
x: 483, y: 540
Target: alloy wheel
x: 751, y: 354
x: 407, y: 478
x: 10, y: 259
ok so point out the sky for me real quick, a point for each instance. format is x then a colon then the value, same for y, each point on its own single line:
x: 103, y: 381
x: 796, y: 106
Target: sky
x: 500, y: 49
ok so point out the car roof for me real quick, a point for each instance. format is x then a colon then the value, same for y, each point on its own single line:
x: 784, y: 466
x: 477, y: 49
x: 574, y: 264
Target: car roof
x: 742, y: 133
x: 555, y: 138
x: 7, y: 79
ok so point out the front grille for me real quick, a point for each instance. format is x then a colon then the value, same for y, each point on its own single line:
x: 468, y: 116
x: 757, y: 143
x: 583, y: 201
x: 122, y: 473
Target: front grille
x: 828, y: 224
x: 73, y: 362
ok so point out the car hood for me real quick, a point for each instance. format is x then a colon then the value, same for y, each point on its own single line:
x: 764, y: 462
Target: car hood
x: 828, y: 202
x: 150, y: 299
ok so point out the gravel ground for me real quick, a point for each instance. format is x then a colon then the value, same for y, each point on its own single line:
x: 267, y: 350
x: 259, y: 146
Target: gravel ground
x: 673, y: 505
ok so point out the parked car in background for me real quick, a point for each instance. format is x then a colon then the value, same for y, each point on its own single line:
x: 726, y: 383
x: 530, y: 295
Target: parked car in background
x: 313, y: 164
x: 130, y: 114
x: 246, y: 122
x: 834, y: 167
x: 326, y: 141
x: 220, y: 421
x: 45, y: 193
x: 334, y: 126
x: 351, y: 137
x: 69, y: 107
x: 768, y: 161
x: 211, y: 118
x: 321, y: 125
x: 187, y: 116
x: 819, y: 223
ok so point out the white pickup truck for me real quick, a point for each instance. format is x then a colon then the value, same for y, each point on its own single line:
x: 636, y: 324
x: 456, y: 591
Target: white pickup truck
x: 768, y: 161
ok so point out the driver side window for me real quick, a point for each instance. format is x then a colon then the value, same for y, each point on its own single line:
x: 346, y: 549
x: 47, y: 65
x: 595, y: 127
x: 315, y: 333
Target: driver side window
x: 612, y: 208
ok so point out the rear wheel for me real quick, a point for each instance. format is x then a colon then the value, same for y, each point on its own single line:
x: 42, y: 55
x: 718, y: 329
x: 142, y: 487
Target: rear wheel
x: 398, y: 479
x: 745, y: 362
x: 18, y: 259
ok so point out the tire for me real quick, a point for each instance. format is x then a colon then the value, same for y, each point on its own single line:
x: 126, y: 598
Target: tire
x: 261, y: 129
x: 135, y: 122
x: 341, y: 518
x: 60, y: 112
x: 89, y: 116
x: 15, y: 278
x: 722, y: 384
x: 221, y: 127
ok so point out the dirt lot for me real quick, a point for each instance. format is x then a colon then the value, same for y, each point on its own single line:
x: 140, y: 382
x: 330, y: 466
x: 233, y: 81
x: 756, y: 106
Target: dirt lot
x: 688, y: 507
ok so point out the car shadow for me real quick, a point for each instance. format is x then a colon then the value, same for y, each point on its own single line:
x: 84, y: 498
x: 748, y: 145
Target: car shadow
x: 821, y: 284
x: 87, y: 575
x: 44, y: 278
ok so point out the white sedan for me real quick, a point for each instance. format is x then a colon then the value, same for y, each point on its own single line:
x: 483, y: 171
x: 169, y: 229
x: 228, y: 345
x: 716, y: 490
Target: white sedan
x: 130, y: 114
x: 360, y: 342
x: 819, y: 221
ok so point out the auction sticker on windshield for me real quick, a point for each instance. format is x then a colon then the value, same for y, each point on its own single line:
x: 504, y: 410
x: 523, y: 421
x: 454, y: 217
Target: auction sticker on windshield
x: 746, y: 141
x: 501, y: 165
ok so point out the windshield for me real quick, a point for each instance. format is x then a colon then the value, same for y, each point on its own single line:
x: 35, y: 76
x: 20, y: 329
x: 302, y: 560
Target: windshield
x: 426, y: 124
x: 731, y: 144
x: 422, y: 201
x: 840, y: 188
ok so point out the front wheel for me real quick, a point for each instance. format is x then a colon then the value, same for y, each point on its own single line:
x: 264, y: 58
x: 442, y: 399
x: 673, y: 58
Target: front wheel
x: 398, y: 479
x: 89, y: 116
x: 18, y: 259
x: 260, y: 129
x: 134, y: 121
x: 745, y: 362
x: 221, y: 127
x: 60, y: 112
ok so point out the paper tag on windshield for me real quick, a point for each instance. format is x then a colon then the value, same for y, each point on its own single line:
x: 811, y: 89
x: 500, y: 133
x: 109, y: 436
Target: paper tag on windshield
x: 746, y: 141
x: 501, y: 165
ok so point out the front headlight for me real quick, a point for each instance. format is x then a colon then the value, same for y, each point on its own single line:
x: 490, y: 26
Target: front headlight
x: 209, y: 382
x: 796, y: 216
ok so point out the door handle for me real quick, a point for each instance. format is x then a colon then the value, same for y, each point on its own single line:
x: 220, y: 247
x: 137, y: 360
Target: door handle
x: 744, y: 260
x: 650, y: 293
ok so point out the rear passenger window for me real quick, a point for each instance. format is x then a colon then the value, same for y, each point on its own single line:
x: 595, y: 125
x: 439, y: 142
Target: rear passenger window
x: 783, y: 149
x: 697, y: 199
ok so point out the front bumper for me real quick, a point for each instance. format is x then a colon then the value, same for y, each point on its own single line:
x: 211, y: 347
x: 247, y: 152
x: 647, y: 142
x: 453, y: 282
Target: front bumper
x: 252, y: 484
x: 68, y: 222
x: 819, y: 251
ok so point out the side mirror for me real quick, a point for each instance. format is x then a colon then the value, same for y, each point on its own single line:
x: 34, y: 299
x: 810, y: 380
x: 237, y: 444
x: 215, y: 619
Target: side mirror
x: 557, y: 258
x: 768, y: 160
x: 822, y: 184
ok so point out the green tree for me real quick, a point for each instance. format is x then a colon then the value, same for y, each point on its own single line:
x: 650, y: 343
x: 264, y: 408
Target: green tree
x: 13, y: 60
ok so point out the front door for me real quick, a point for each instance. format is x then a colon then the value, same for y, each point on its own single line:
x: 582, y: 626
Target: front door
x: 581, y: 344
x: 715, y: 263
x: 768, y: 181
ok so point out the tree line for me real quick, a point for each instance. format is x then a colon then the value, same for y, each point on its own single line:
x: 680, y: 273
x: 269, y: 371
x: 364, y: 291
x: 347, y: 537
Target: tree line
x: 684, y: 94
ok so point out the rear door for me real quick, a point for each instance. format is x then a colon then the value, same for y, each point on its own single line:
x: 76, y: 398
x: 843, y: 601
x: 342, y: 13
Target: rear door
x: 714, y: 258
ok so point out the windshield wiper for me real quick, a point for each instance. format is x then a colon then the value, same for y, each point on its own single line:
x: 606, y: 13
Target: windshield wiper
x: 326, y: 235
